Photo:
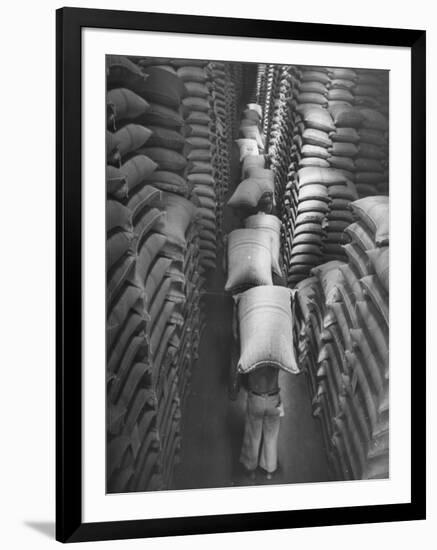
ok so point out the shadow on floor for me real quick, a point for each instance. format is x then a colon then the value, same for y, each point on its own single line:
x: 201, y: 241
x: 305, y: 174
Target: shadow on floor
x: 46, y: 528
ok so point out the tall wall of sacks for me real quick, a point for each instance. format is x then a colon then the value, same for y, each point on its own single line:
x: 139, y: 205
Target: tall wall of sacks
x: 169, y: 134
x: 344, y: 346
x: 327, y: 142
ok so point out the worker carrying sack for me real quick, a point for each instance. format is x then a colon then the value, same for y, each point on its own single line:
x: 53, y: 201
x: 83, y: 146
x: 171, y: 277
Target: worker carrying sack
x: 247, y: 147
x: 252, y: 132
x: 249, y: 192
x: 266, y: 329
x: 252, y: 161
x: 255, y: 107
x: 249, y: 259
x: 272, y: 225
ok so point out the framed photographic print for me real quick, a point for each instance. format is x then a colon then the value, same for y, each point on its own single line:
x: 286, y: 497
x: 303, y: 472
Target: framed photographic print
x: 232, y: 197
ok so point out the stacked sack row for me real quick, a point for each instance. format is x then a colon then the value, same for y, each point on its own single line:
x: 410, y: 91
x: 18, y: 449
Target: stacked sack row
x: 239, y: 78
x: 200, y: 149
x: 226, y: 83
x: 316, y: 214
x: 149, y: 293
x: 261, y: 87
x: 330, y: 133
x: 269, y: 83
x: 160, y: 146
x: 343, y: 345
x: 319, y: 188
x: 358, y: 142
x: 210, y: 107
x: 279, y: 138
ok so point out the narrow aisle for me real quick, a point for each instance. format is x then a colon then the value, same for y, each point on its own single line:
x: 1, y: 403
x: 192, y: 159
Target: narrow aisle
x: 213, y: 425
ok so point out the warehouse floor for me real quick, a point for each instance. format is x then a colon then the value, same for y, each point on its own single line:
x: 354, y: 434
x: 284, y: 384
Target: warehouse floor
x: 213, y: 425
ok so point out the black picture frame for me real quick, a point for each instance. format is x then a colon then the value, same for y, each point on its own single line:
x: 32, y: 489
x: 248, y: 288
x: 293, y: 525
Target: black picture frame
x: 69, y: 524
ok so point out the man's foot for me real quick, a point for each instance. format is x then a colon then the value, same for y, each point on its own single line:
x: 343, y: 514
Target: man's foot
x: 269, y: 475
x: 251, y: 474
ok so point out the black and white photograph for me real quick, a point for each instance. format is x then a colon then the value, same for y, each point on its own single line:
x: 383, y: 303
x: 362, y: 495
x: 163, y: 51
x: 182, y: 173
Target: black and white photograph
x: 247, y: 274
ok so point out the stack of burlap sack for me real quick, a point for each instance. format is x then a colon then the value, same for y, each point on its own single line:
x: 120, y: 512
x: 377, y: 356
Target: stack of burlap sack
x: 200, y: 148
x: 280, y: 130
x: 162, y: 229
x: 343, y: 345
x: 225, y: 88
x: 135, y: 214
x: 317, y: 194
x: 372, y: 161
x: 337, y: 134
x: 357, y: 101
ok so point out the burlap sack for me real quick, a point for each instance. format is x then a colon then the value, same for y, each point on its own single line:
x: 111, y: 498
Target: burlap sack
x: 380, y: 258
x: 121, y: 71
x: 252, y: 161
x: 196, y: 104
x: 192, y: 74
x: 166, y: 159
x: 196, y: 89
x: 247, y: 147
x: 266, y: 329
x: 316, y: 137
x: 180, y: 212
x: 272, y: 225
x: 162, y: 116
x: 249, y: 192
x: 374, y: 291
x: 374, y: 213
x: 125, y: 104
x: 170, y: 181
x: 118, y: 217
x: 346, y: 116
x: 249, y: 259
x: 325, y: 176
x: 164, y: 87
x: 345, y: 135
x: 131, y: 137
x: 165, y: 137
x: 252, y: 132
x: 137, y: 169
x: 317, y: 118
x: 374, y: 120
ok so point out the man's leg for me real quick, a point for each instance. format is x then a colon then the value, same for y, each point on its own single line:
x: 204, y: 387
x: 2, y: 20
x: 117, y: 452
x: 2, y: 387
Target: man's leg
x: 271, y: 424
x: 252, y: 433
